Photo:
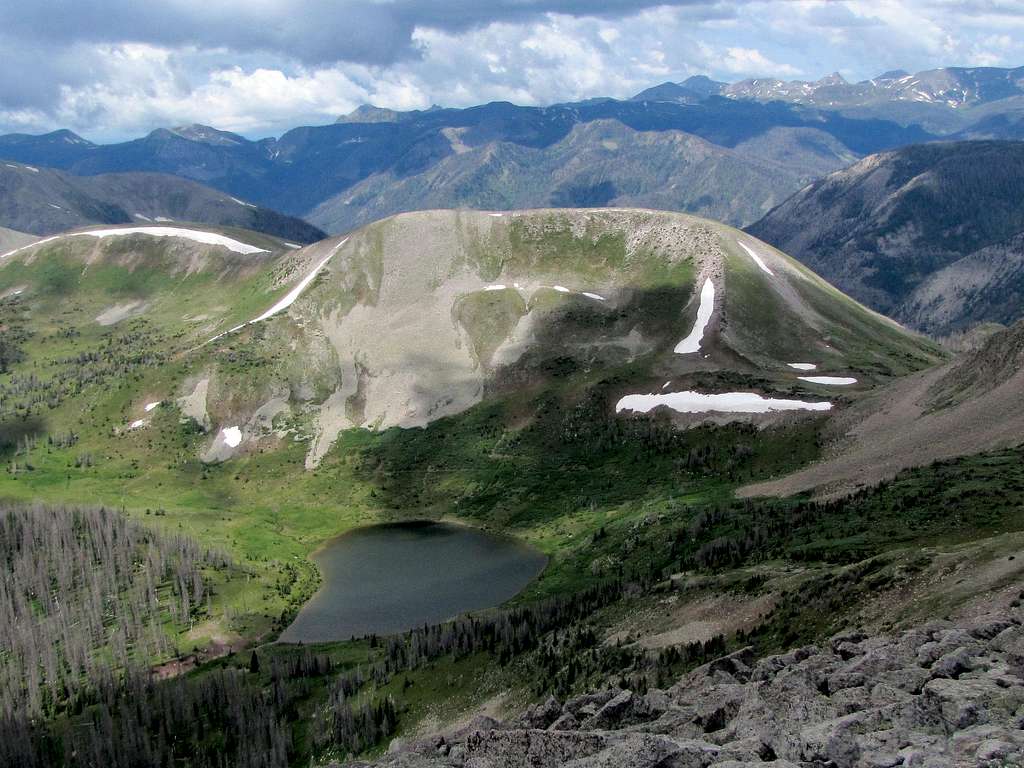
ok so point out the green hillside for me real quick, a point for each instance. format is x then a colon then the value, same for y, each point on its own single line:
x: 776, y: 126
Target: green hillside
x: 455, y: 365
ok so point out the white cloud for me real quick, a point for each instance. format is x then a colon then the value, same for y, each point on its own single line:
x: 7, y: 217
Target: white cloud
x: 260, y: 81
x: 751, y: 62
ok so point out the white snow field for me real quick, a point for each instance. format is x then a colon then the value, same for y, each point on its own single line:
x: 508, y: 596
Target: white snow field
x: 757, y: 259
x: 199, y: 236
x: 726, y: 402
x: 44, y: 241
x: 835, y: 381
x: 707, y: 306
x: 803, y: 366
x: 232, y: 436
x: 295, y: 292
x: 150, y: 406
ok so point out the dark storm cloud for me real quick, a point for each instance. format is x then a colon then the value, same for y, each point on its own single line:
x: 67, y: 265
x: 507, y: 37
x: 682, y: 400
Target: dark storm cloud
x: 310, y: 31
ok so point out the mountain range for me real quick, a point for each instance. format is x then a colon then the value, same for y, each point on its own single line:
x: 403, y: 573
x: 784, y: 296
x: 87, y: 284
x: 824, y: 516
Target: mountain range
x: 932, y: 235
x: 43, y: 201
x: 757, y: 153
x: 945, y: 100
x: 312, y: 171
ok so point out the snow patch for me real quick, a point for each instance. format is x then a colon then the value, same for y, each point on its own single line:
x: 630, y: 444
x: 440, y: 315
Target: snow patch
x: 835, y: 381
x: 561, y: 289
x: 140, y: 216
x: 594, y: 296
x: 292, y: 245
x: 137, y: 424
x: 803, y: 366
x: 496, y: 215
x: 199, y: 236
x: 232, y: 436
x: 162, y: 218
x: 32, y: 168
x: 757, y: 259
x: 726, y: 402
x: 498, y: 287
x: 31, y: 245
x: 150, y: 406
x: 295, y: 292
x: 242, y: 202
x: 707, y: 306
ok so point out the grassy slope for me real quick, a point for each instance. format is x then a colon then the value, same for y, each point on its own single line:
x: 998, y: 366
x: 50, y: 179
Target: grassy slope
x: 546, y: 460
x: 823, y: 563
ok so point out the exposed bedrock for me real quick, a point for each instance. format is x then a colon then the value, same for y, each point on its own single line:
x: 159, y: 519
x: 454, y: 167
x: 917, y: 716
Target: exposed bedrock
x: 942, y: 694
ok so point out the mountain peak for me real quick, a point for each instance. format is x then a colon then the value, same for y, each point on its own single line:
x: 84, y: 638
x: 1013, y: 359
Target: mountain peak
x: 369, y: 113
x: 667, y: 92
x: 703, y: 85
x: 834, y: 79
x: 68, y: 137
x: 204, y: 134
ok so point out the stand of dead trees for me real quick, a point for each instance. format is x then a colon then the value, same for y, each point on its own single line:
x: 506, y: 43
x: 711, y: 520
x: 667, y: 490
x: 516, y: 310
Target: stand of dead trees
x: 86, y: 593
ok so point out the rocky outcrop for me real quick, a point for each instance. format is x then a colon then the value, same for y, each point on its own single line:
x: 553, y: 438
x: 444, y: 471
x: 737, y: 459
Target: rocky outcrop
x: 942, y: 694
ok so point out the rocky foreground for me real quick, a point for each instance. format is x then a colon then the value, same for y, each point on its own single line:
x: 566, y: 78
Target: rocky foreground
x: 943, y: 694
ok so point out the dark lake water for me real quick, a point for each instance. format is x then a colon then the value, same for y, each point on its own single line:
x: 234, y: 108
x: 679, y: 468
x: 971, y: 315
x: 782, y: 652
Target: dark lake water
x: 389, y: 578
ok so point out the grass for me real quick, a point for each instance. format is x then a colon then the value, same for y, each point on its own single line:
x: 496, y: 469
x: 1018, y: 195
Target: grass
x: 543, y: 456
x: 544, y: 459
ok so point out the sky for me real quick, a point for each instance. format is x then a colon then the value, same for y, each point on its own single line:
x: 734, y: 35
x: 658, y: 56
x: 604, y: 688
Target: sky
x: 116, y: 69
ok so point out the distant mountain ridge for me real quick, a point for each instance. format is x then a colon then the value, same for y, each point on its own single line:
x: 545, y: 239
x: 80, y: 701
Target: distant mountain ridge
x: 955, y: 87
x: 388, y: 161
x: 42, y: 201
x: 308, y: 166
x: 932, y: 235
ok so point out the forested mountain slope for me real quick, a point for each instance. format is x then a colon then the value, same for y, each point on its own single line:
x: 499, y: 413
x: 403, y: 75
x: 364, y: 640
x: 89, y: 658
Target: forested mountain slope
x: 44, y: 201
x: 928, y: 234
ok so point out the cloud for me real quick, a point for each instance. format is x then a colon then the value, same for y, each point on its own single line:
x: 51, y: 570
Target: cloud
x: 750, y: 61
x: 314, y: 32
x: 113, y: 69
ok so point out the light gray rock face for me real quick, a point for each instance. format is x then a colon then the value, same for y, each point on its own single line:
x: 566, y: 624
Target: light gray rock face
x: 938, y: 696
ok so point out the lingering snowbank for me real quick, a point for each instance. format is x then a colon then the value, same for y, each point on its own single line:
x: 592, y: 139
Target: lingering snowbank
x: 44, y: 241
x: 837, y: 381
x: 232, y: 436
x: 594, y: 296
x: 727, y: 402
x: 561, y: 289
x: 150, y: 406
x: 707, y: 306
x: 199, y: 236
x: 498, y: 287
x: 295, y: 292
x: 757, y: 259
x: 803, y: 366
